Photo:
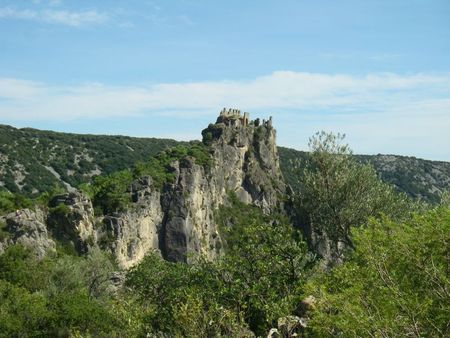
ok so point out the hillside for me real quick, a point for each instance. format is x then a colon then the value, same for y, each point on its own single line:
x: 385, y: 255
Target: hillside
x: 31, y: 161
x: 418, y: 178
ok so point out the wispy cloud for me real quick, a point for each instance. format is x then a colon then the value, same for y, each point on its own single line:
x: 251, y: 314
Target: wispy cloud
x: 404, y: 113
x: 53, y: 16
x: 49, y: 2
x: 283, y: 90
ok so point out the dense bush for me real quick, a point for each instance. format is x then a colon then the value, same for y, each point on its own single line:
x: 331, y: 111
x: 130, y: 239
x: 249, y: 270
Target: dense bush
x: 10, y: 202
x: 59, y: 296
x: 396, y: 283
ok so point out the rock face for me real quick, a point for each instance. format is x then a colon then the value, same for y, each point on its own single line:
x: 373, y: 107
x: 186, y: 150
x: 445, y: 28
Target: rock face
x: 132, y: 234
x: 179, y: 221
x: 71, y: 219
x: 28, y: 227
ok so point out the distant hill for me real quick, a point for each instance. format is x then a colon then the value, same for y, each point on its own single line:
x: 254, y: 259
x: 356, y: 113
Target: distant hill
x: 33, y: 161
x: 418, y: 178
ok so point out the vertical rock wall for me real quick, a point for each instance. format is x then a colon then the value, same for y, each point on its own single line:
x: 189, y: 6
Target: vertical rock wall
x: 182, y: 225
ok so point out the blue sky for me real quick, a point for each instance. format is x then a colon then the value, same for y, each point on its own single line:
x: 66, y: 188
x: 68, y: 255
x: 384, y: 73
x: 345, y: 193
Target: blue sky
x: 376, y: 70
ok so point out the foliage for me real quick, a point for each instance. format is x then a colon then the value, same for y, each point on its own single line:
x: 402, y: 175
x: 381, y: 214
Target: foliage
x: 396, y: 284
x: 417, y: 178
x: 181, y: 300
x: 212, y: 132
x: 60, y: 210
x: 44, y: 198
x: 58, y: 296
x: 338, y: 193
x: 76, y: 158
x: 10, y: 202
x: 23, y: 313
x: 254, y: 283
x: 109, y: 193
x: 19, y: 267
x: 266, y: 263
x: 4, y: 234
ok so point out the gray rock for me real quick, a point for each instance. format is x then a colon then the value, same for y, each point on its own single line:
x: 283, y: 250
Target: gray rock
x: 27, y: 227
x: 273, y: 333
x: 116, y: 282
x: 291, y: 326
x: 74, y: 222
x: 130, y: 235
x: 179, y: 221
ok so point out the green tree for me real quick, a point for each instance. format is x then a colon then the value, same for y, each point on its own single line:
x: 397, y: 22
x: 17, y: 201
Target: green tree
x: 22, y: 313
x: 265, y: 264
x: 395, y: 284
x: 110, y: 191
x: 337, y: 193
x: 181, y: 300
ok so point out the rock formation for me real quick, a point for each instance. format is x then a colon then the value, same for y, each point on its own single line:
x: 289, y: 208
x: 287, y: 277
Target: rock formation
x: 71, y: 219
x: 178, y: 221
x: 27, y: 227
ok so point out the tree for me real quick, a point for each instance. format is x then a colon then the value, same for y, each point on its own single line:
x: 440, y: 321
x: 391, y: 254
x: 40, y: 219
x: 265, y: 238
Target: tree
x: 265, y: 264
x: 337, y: 193
x: 181, y: 300
x: 395, y: 284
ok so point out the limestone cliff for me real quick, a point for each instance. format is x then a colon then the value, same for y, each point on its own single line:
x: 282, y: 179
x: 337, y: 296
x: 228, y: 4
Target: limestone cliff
x: 28, y: 228
x: 178, y: 219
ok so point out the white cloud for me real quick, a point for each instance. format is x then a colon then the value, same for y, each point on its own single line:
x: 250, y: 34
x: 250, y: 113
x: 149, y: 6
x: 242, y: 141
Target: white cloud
x: 65, y: 17
x: 19, y: 90
x: 392, y: 109
x: 282, y: 90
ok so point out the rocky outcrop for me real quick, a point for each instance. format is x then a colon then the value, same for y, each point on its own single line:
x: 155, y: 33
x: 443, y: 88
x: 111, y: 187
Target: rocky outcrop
x: 130, y: 235
x: 71, y: 220
x: 28, y: 228
x: 179, y: 221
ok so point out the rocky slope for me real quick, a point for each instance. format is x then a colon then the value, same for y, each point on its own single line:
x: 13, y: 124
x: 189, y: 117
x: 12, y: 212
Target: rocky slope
x: 33, y: 161
x: 177, y: 220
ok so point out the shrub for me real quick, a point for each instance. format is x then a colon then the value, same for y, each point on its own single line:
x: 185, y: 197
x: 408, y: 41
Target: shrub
x: 395, y: 283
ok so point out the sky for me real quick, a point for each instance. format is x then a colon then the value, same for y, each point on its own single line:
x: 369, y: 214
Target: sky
x: 376, y: 70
